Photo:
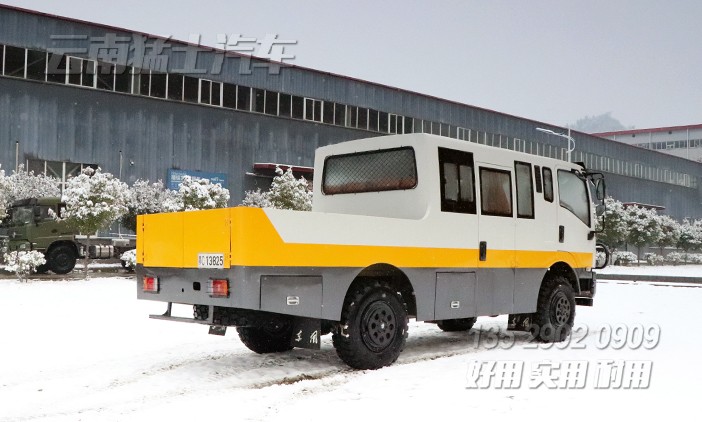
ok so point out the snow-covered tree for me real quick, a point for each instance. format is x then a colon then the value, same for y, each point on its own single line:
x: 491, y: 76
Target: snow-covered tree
x: 286, y: 192
x: 197, y: 194
x: 689, y: 235
x: 25, y: 184
x: 616, y: 228
x: 669, y: 230
x: 4, y: 192
x: 144, y: 198
x: 93, y: 201
x: 643, y: 227
x: 23, y: 263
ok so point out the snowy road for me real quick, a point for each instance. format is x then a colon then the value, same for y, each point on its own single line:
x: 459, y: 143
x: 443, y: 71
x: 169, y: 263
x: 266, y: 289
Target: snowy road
x: 86, y: 350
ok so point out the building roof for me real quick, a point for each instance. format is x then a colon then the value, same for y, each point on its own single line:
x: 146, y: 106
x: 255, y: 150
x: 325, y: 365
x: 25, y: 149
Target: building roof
x: 651, y: 130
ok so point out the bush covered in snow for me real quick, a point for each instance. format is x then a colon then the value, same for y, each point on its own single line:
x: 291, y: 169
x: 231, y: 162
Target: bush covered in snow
x: 623, y: 257
x: 129, y: 259
x: 286, y: 193
x: 23, y: 263
x: 24, y: 185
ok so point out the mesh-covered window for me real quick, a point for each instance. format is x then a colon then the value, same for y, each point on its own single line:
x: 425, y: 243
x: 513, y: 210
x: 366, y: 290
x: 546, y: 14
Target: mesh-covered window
x: 374, y: 171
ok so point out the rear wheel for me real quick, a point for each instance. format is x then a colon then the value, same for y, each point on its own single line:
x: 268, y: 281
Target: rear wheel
x: 373, y: 327
x: 271, y: 337
x: 61, y: 259
x: 555, y: 311
x: 462, y: 324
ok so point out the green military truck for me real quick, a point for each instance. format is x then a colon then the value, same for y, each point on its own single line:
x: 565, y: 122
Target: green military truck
x: 31, y: 225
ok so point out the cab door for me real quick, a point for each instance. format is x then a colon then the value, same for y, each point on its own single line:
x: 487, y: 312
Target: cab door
x: 496, y: 256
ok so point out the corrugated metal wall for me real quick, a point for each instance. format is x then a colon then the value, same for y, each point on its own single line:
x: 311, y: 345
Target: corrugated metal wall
x: 67, y: 123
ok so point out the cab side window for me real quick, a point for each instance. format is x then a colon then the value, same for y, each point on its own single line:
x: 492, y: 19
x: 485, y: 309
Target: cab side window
x: 525, y: 190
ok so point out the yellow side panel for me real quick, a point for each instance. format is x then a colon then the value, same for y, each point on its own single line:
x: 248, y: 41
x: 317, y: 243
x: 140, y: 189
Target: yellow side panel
x: 205, y: 232
x: 162, y: 240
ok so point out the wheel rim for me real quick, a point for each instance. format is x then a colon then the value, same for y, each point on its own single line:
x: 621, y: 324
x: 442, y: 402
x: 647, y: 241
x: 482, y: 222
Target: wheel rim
x: 561, y: 309
x: 378, y: 326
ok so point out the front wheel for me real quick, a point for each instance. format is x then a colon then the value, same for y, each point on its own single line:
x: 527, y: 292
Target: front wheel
x: 61, y: 259
x: 373, y: 327
x: 555, y: 311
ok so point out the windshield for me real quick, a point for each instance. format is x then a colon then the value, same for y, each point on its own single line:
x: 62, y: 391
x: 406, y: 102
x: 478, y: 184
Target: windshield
x: 22, y: 215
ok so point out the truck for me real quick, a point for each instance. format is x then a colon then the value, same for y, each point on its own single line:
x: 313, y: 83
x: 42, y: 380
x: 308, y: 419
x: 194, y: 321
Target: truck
x: 31, y: 224
x: 402, y: 226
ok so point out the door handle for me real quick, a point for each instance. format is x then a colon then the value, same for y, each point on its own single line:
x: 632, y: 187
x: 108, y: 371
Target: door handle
x: 561, y: 234
x: 483, y: 251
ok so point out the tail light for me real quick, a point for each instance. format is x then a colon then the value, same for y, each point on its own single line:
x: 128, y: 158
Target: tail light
x: 150, y: 284
x: 219, y: 287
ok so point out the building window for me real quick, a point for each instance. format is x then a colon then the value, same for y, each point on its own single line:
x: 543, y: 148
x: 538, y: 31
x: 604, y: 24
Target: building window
x: 175, y: 87
x: 457, y: 181
x: 229, y: 96
x: 495, y: 192
x: 383, y: 123
x: 105, y: 76
x: 298, y: 107
x: 339, y: 114
x: 36, y: 65
x: 2, y: 59
x: 123, y: 78
x: 362, y: 118
x: 373, y: 120
x: 409, y: 125
x: 81, y: 72
x: 272, y: 103
x: 14, y: 61
x: 243, y: 98
x: 525, y: 190
x: 374, y: 171
x: 285, y: 105
x: 60, y: 170
x: 191, y: 89
x: 259, y: 100
x: 159, y: 84
x: 210, y: 92
x: 351, y: 116
x: 328, y: 112
x: 313, y: 109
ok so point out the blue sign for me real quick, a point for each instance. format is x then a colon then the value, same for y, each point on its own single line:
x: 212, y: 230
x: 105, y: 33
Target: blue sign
x: 175, y: 176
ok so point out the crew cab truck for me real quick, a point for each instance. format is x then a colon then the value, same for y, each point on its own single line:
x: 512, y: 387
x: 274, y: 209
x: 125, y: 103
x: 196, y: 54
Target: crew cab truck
x: 31, y: 225
x: 402, y: 226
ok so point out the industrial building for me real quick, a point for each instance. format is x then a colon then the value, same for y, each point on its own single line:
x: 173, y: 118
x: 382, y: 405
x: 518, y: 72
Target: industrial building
x: 75, y: 93
x: 680, y: 141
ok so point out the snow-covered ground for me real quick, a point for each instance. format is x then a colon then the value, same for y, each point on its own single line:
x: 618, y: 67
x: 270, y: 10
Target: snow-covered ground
x: 86, y: 350
x: 666, y: 270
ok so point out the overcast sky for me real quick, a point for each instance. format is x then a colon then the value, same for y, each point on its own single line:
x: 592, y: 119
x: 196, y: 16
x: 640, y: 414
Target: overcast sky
x: 554, y: 61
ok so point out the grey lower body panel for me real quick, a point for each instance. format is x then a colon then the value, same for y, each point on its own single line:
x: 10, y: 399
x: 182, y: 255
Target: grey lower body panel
x: 440, y: 293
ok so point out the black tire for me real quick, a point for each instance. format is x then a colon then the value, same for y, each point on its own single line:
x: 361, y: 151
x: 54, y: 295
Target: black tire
x: 272, y: 337
x: 555, y: 311
x: 451, y: 325
x: 61, y: 259
x: 373, y: 326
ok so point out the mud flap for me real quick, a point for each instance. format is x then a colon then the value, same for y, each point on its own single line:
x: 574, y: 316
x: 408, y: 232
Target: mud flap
x: 519, y: 322
x: 306, y: 333
x: 218, y: 330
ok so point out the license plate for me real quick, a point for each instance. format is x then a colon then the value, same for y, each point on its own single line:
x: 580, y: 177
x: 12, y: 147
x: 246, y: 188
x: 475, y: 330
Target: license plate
x: 210, y: 260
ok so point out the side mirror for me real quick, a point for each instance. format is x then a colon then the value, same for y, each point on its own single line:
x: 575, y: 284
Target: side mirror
x: 37, y: 214
x: 600, y: 190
